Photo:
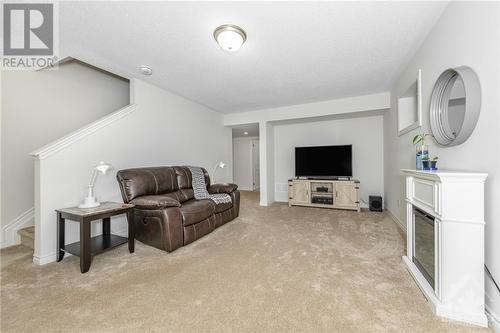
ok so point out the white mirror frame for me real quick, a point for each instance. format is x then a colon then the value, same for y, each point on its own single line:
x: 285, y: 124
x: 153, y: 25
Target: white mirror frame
x: 418, y: 122
x: 439, y: 105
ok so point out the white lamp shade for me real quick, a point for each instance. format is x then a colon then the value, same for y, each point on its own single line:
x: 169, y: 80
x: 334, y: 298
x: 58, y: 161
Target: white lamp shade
x: 91, y: 201
x: 103, y: 167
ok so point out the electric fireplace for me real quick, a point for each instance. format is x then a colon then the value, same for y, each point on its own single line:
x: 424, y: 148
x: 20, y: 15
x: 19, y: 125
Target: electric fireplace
x: 423, y: 245
x: 445, y: 241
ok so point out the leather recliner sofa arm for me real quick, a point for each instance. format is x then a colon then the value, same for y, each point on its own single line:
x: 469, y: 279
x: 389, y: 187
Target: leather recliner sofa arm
x: 154, y: 202
x: 222, y: 188
x: 161, y: 228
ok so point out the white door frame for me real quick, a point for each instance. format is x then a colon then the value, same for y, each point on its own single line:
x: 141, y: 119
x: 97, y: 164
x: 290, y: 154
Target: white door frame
x: 255, y: 180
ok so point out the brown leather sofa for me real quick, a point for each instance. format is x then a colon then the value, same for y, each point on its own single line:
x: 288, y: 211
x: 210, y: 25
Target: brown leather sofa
x: 166, y: 215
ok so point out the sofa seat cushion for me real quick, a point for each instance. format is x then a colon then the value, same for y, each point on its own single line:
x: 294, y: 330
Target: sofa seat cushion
x: 194, y: 211
x: 154, y: 202
x: 223, y: 206
x: 222, y: 188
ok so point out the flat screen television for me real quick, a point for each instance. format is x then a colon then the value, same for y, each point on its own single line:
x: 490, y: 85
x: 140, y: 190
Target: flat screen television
x: 323, y: 161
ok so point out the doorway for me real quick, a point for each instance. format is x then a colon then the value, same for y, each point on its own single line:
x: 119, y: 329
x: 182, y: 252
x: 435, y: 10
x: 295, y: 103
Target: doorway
x: 246, y: 159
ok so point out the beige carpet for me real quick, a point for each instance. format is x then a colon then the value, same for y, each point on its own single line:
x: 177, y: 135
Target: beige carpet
x: 274, y: 269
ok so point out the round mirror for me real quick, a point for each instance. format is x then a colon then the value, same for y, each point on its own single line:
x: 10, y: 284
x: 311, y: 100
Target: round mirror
x: 455, y: 106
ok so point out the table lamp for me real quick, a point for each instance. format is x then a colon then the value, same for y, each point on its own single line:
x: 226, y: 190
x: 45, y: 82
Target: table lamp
x: 90, y: 201
x: 221, y: 165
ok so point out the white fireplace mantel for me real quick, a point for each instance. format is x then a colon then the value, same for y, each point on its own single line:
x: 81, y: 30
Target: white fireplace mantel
x: 456, y: 201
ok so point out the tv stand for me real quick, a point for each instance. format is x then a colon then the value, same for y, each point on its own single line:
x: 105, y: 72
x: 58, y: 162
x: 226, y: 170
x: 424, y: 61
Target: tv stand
x: 324, y: 193
x: 327, y: 178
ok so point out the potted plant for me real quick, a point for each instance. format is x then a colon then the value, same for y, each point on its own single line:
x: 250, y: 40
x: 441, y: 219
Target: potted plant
x: 422, y: 150
x: 433, y: 163
x: 429, y: 164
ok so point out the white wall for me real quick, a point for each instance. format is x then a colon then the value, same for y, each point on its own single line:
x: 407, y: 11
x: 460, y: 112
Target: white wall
x: 339, y: 106
x: 164, y: 129
x: 41, y: 106
x: 365, y: 134
x: 242, y: 163
x: 467, y: 34
x: 374, y: 104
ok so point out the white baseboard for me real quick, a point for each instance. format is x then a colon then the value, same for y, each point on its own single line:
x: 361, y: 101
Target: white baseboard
x: 399, y: 223
x: 45, y: 259
x: 120, y: 232
x: 280, y: 196
x: 9, y: 232
x: 454, y: 313
x: 493, y: 319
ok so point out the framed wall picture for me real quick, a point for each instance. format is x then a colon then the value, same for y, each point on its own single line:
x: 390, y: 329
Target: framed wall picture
x: 410, y: 107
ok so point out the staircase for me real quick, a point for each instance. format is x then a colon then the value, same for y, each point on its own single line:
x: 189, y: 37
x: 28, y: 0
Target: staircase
x: 27, y: 236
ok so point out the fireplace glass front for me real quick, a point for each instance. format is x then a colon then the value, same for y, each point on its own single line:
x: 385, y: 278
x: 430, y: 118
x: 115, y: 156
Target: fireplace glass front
x: 423, y: 248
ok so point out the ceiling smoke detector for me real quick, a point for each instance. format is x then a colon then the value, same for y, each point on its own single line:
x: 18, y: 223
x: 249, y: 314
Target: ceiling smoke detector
x: 230, y: 37
x: 146, y: 70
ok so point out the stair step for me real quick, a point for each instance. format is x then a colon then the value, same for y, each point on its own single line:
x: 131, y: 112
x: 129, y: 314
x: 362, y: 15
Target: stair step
x: 27, y: 236
x: 27, y: 232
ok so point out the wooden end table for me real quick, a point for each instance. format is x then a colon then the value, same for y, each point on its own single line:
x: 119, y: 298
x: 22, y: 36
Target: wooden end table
x: 88, y: 247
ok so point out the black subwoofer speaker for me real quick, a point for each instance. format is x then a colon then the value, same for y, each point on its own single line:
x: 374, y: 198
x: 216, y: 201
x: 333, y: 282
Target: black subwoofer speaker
x: 375, y: 202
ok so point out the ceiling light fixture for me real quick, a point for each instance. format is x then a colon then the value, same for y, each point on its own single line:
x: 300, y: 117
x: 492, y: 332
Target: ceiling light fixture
x: 230, y: 37
x: 246, y: 133
x: 146, y: 70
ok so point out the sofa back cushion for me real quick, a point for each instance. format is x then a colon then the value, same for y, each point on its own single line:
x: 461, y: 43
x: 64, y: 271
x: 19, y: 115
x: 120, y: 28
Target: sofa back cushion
x: 184, y: 178
x: 181, y: 195
x: 146, y: 181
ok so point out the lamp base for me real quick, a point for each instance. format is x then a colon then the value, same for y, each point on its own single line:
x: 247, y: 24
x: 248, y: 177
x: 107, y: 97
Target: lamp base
x: 90, y: 202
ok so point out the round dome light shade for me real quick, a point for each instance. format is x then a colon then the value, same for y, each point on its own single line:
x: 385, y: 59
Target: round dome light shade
x: 230, y: 37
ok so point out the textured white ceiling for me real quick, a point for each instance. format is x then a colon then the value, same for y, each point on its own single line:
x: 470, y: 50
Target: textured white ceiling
x: 296, y: 52
x: 251, y: 129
